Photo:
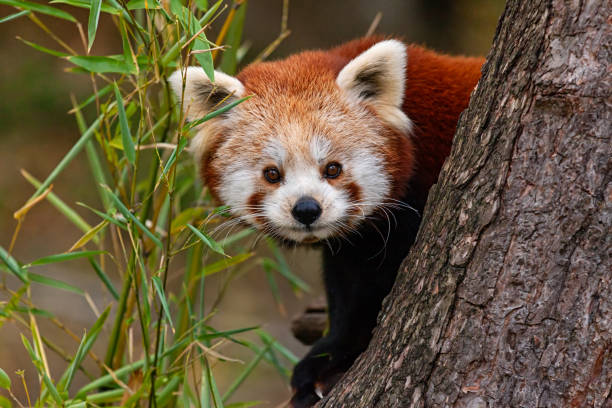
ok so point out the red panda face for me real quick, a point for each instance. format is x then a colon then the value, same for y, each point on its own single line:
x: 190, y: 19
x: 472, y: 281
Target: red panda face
x: 321, y: 145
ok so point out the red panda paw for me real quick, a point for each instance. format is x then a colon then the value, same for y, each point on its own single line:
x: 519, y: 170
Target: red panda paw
x: 307, y: 396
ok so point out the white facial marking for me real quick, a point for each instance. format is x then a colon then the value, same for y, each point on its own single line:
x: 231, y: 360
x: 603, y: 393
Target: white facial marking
x: 320, y: 149
x: 275, y: 152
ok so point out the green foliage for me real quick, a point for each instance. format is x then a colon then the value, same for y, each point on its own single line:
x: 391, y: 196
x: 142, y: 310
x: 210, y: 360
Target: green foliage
x: 155, y: 220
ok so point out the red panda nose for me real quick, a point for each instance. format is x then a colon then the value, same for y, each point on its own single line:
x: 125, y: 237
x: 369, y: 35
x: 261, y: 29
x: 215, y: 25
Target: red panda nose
x: 306, y: 210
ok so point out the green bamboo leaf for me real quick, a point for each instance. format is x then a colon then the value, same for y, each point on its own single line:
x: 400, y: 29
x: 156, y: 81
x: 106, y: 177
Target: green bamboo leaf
x: 92, y: 24
x: 162, y: 297
x: 107, y: 217
x: 218, y: 112
x: 105, y: 279
x: 126, y: 135
x: 244, y: 374
x: 65, y: 257
x: 105, y: 396
x: 218, y: 401
x: 225, y: 263
x: 229, y: 62
x: 5, y: 403
x: 101, y: 64
x: 285, y: 352
x: 54, y: 283
x: 38, y: 364
x: 175, y: 153
x: 247, y: 404
x: 39, y: 8
x: 14, y: 16
x: 212, y: 244
x: 201, y: 4
x: 169, y: 58
x: 69, y: 156
x: 13, y: 266
x: 184, y: 217
x: 128, y: 215
x: 94, y: 96
x: 107, y: 379
x: 168, y: 390
x: 283, y: 268
x: 5, y: 381
x: 205, y: 58
x: 273, y: 286
x: 106, y: 8
x: 86, y: 343
x: 143, y: 4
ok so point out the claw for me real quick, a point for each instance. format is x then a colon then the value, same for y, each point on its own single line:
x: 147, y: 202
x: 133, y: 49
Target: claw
x: 319, y: 392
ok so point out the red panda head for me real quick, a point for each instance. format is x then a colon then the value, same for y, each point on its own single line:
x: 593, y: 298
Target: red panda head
x: 322, y: 144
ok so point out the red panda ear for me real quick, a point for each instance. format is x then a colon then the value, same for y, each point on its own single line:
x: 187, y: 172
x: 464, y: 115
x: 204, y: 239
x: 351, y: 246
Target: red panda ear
x: 201, y: 96
x: 377, y: 76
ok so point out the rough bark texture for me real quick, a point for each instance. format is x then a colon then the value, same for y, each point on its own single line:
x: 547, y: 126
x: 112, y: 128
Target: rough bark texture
x: 506, y: 297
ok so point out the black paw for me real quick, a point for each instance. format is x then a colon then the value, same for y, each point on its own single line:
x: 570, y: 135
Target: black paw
x: 318, y: 372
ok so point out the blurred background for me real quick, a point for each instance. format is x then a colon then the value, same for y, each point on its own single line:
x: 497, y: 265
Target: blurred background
x: 37, y: 131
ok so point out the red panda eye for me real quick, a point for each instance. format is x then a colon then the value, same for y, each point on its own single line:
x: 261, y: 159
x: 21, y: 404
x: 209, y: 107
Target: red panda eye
x: 272, y: 175
x: 332, y: 170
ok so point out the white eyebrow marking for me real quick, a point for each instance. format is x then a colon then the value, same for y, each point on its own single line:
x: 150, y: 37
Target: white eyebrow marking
x: 275, y: 151
x: 320, y: 148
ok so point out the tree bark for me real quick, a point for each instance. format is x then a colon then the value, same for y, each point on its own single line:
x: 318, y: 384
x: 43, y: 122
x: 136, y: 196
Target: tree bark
x: 505, y: 299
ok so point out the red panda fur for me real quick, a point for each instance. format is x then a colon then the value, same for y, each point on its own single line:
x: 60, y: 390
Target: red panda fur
x: 304, y: 90
x: 437, y: 90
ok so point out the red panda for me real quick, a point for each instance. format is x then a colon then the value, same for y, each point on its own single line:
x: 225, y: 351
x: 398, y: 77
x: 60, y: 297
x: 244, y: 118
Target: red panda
x: 338, y: 149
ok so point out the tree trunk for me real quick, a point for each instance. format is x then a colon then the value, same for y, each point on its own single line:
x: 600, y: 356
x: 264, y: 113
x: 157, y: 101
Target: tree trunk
x: 506, y: 297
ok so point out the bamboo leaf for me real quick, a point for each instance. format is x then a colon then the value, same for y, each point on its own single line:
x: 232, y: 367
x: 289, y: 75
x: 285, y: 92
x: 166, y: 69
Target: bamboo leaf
x: 84, y: 347
x: 14, y: 16
x: 162, y: 298
x: 5, y: 381
x: 175, y: 153
x: 65, y: 257
x: 105, y: 279
x: 225, y: 263
x: 4, y: 402
x: 218, y: 112
x: 89, y: 235
x: 54, y: 283
x: 106, y: 8
x: 216, y: 397
x: 247, y: 404
x: 185, y: 216
x: 245, y: 373
x: 39, y: 366
x: 39, y: 8
x: 92, y: 24
x: 104, y: 216
x: 13, y: 266
x: 211, y: 243
x: 229, y: 62
x: 143, y: 4
x: 69, y: 156
x: 101, y: 64
x: 127, y: 214
x: 126, y: 135
x: 283, y: 268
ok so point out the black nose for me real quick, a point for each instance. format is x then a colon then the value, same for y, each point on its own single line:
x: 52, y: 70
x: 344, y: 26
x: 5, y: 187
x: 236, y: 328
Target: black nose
x: 306, y: 210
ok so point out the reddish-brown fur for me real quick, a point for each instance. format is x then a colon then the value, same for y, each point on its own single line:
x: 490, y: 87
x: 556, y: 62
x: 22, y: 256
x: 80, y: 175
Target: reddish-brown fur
x: 437, y: 90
